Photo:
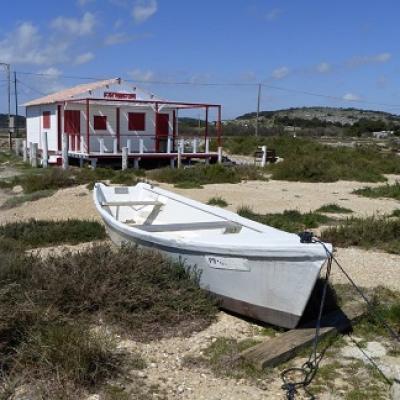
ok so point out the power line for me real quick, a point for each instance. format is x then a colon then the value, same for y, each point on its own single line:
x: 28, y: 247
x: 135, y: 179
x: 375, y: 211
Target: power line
x: 31, y: 88
x: 232, y: 84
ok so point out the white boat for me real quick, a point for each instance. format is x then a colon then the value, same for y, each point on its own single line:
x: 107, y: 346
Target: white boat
x: 255, y: 270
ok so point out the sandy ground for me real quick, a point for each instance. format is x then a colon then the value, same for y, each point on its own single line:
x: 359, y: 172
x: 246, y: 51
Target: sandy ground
x: 165, y: 368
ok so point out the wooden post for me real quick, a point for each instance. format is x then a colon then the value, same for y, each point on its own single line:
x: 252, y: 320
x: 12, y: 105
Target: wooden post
x: 194, y: 144
x: 179, y: 157
x: 207, y: 148
x: 168, y: 145
x: 219, y: 155
x: 83, y: 145
x: 264, y: 156
x: 124, y: 158
x: 141, y: 146
x: 45, y: 152
x: 101, y: 141
x: 17, y: 146
x: 24, y: 151
x: 182, y: 145
x: 30, y: 151
x: 128, y: 145
x: 34, y: 161
x: 115, y: 146
x: 64, y: 151
x: 172, y: 162
x: 136, y: 162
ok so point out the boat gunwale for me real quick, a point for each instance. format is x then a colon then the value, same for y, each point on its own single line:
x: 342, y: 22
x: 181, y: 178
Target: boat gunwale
x: 306, y: 251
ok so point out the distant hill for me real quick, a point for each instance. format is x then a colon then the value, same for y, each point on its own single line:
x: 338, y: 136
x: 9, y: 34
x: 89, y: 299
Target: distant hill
x: 330, y: 115
x: 4, y: 121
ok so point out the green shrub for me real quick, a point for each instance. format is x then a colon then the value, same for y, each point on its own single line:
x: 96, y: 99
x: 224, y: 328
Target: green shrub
x: 37, y: 233
x: 217, y: 201
x: 334, y: 208
x: 18, y: 200
x: 310, y: 161
x: 372, y: 232
x: 391, y: 191
x: 202, y: 175
x: 289, y: 220
x: 51, y: 309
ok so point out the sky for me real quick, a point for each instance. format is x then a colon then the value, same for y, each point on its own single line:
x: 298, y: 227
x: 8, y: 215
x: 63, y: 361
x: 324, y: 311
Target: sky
x: 305, y: 53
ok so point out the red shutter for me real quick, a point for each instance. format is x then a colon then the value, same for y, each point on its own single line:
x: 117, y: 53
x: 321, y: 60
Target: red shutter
x: 136, y: 121
x: 46, y: 119
x: 100, y: 122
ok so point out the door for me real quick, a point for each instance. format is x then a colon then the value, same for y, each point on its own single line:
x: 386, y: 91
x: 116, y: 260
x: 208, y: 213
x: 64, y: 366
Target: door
x: 162, y: 131
x: 72, y: 126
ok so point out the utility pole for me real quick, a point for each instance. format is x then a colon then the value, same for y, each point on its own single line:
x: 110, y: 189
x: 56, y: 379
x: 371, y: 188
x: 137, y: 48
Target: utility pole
x: 258, y: 106
x: 16, y: 104
x: 7, y: 67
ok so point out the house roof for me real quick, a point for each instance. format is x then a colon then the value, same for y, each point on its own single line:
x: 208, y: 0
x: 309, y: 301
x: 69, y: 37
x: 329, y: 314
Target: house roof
x: 70, y: 93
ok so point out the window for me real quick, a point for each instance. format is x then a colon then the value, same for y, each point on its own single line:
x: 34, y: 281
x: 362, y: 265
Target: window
x: 100, y: 122
x: 136, y: 121
x: 46, y: 119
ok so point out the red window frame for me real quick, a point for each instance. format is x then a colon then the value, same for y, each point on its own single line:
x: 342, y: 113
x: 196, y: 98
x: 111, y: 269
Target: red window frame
x: 100, y: 122
x: 136, y: 121
x: 46, y: 119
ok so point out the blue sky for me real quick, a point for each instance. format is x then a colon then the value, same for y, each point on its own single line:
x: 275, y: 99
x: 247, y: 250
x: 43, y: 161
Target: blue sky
x: 346, y: 50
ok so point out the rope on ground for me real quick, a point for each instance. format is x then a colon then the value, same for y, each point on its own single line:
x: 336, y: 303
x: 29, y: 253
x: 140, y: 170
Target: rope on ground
x: 310, y: 367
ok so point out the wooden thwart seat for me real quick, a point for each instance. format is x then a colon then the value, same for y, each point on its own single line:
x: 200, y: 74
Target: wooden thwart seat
x: 131, y: 203
x: 231, y: 227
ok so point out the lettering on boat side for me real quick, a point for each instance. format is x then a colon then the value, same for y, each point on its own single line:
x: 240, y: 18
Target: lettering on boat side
x: 233, y: 263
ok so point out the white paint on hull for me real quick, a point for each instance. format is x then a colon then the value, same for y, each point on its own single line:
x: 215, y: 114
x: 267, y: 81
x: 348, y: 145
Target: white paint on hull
x: 259, y: 265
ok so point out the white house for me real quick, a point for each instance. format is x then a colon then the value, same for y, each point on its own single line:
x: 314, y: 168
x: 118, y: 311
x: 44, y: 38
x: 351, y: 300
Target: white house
x: 100, y: 118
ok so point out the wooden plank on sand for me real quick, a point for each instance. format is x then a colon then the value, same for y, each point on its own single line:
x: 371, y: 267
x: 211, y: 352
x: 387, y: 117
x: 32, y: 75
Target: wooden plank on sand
x: 282, y: 348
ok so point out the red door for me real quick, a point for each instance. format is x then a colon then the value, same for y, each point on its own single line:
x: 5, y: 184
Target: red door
x: 162, y: 131
x: 72, y: 126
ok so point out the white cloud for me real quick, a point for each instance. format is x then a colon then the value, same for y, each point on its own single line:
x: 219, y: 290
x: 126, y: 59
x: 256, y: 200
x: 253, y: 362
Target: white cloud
x: 25, y: 45
x: 323, y: 67
x: 141, y: 75
x: 351, y: 97
x: 75, y: 26
x: 51, y: 71
x: 118, y: 38
x: 374, y: 59
x: 82, y: 3
x: 273, y: 14
x: 84, y: 58
x: 280, y: 73
x: 143, y: 10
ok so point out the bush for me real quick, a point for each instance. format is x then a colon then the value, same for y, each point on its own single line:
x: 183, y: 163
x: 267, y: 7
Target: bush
x: 334, y: 208
x: 289, y: 220
x: 37, y: 233
x: 49, y: 307
x: 372, y: 232
x: 217, y: 201
x: 202, y: 175
x: 309, y: 161
x: 391, y: 191
x: 18, y: 200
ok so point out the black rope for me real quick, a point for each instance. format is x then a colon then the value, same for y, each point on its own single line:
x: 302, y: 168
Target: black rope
x: 310, y: 367
x: 371, y: 307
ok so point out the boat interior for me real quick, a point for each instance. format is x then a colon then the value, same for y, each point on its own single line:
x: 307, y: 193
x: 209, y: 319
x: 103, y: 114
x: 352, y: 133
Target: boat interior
x: 149, y: 211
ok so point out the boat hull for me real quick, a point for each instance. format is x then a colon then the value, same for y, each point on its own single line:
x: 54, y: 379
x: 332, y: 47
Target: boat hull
x: 273, y: 290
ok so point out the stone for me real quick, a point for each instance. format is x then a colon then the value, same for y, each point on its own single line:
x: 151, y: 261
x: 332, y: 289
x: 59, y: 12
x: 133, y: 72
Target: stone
x: 372, y: 350
x: 395, y: 391
x: 17, y: 189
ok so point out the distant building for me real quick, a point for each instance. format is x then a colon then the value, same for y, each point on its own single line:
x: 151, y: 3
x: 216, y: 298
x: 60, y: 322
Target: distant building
x: 382, y: 134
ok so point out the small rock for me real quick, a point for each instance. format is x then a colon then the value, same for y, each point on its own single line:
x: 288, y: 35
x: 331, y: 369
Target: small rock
x: 395, y: 391
x: 141, y: 374
x: 180, y: 389
x: 153, y: 365
x: 17, y: 189
x: 93, y: 397
x: 372, y: 350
